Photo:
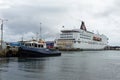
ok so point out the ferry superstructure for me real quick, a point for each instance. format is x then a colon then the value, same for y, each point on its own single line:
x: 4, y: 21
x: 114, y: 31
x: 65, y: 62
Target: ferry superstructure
x: 81, y: 39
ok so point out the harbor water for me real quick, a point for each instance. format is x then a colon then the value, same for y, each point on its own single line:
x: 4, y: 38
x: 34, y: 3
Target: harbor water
x: 74, y: 65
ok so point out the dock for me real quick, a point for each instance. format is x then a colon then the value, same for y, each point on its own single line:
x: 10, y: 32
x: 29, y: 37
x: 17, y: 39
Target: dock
x: 9, y: 52
x: 13, y: 51
x: 112, y: 48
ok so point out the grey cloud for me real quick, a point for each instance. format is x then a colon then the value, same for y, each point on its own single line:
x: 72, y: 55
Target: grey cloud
x: 113, y: 9
x: 23, y: 19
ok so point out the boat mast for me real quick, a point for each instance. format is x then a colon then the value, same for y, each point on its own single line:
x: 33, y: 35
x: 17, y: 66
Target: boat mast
x: 37, y: 34
x: 40, y: 31
x: 22, y: 38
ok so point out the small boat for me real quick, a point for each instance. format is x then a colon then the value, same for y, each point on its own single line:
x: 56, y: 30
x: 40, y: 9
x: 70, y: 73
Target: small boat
x: 36, y: 49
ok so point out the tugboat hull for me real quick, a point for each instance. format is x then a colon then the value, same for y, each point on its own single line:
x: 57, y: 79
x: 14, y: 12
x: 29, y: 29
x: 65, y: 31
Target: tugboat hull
x: 37, y: 52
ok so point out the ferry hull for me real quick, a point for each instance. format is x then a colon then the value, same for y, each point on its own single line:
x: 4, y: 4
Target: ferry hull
x: 70, y: 45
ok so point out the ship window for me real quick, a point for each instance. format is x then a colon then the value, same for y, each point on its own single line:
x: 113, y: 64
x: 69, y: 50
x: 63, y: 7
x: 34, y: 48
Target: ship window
x: 74, y: 41
x: 26, y: 44
x: 42, y: 46
x: 66, y: 35
x: 30, y: 44
x: 85, y: 36
x: 38, y: 45
x: 35, y: 45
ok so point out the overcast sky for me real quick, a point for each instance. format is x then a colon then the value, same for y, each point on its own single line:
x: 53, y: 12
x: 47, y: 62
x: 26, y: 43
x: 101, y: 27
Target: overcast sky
x: 24, y: 17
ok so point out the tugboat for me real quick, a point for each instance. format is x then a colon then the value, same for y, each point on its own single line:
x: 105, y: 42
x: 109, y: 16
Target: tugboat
x: 36, y: 49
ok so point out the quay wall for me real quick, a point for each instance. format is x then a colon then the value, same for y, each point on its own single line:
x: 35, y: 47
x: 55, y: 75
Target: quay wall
x: 13, y: 51
x: 9, y: 52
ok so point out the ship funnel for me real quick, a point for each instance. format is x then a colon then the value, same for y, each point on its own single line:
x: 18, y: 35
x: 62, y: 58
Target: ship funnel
x: 83, y: 26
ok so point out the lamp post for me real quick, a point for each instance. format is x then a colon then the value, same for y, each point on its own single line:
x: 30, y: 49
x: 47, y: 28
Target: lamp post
x: 2, y: 20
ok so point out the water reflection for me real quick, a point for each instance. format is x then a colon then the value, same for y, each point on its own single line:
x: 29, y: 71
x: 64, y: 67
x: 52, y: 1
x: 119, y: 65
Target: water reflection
x: 5, y: 66
x: 3, y: 62
x: 40, y: 68
x: 32, y: 64
x: 86, y: 65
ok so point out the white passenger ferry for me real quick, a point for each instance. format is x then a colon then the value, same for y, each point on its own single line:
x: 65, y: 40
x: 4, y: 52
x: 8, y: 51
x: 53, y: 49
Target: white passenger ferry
x: 81, y: 39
